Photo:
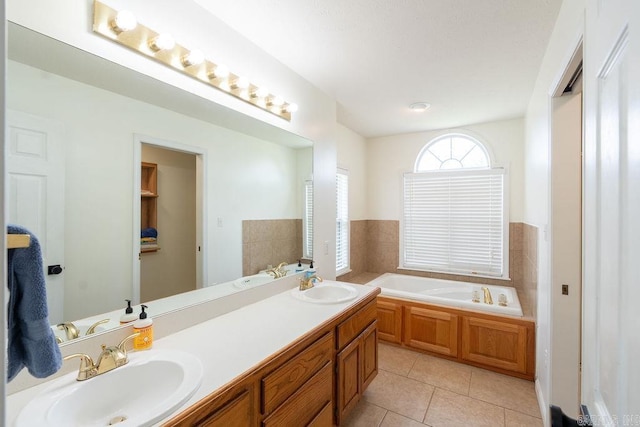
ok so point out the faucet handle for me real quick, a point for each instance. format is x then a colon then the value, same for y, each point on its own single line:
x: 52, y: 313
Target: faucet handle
x: 87, y: 368
x: 69, y: 329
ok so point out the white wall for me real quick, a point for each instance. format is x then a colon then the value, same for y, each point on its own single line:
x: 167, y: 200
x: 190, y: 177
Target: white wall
x: 352, y: 155
x: 389, y: 157
x: 247, y: 178
x: 566, y: 35
x: 3, y: 274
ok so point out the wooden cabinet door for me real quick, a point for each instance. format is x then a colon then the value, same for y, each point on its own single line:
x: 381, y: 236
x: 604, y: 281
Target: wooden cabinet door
x: 389, y: 321
x: 349, y: 373
x: 431, y: 330
x: 493, y: 343
x: 236, y: 413
x: 369, y: 343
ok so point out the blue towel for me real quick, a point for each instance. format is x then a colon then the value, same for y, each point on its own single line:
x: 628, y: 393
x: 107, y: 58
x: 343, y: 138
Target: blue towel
x: 149, y: 232
x: 32, y: 343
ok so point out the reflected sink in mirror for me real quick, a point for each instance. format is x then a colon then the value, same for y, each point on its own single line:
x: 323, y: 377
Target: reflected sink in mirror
x: 326, y: 293
x: 147, y: 389
x: 252, y: 281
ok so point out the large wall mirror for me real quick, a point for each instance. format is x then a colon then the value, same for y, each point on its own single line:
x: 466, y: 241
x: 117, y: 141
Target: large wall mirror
x: 231, y: 189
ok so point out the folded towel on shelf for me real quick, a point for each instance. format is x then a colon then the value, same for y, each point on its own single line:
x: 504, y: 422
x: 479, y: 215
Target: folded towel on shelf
x: 149, y: 232
x: 148, y: 240
x: 31, y: 342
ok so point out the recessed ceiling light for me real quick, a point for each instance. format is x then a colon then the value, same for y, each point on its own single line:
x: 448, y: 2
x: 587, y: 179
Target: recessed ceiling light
x: 419, y: 107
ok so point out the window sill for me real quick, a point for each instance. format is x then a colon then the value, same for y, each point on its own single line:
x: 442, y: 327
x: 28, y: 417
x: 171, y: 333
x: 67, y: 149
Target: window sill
x: 454, y: 273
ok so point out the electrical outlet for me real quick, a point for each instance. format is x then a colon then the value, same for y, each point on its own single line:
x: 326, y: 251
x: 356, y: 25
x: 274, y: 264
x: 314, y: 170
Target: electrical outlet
x: 565, y: 289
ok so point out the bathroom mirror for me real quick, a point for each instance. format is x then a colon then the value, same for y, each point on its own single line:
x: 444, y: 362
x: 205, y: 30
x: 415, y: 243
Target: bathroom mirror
x: 101, y: 113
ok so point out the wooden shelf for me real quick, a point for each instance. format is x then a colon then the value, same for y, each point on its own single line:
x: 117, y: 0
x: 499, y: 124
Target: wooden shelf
x: 148, y: 201
x: 15, y: 241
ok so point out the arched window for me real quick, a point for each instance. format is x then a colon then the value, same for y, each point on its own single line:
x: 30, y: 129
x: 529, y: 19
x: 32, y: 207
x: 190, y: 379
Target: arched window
x: 452, y: 151
x: 454, y: 214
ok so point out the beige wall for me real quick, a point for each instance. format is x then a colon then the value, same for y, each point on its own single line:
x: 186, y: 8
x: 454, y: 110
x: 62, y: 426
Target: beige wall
x: 352, y: 156
x: 270, y: 242
x: 172, y: 269
x: 389, y: 157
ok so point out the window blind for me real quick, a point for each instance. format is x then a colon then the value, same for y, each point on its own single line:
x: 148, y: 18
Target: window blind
x: 342, y: 222
x: 453, y: 221
x: 307, y: 234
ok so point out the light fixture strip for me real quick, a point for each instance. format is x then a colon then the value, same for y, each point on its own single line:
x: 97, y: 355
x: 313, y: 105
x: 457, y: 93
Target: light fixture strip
x: 141, y: 38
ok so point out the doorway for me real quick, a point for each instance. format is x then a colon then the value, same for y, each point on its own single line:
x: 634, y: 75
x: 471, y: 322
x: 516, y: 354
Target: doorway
x: 176, y: 264
x: 566, y: 237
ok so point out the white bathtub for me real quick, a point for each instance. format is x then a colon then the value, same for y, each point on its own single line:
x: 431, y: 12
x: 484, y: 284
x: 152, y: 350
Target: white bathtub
x: 447, y: 292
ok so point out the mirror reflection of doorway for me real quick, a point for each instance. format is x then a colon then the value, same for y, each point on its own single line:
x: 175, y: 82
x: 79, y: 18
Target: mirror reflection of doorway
x: 172, y: 269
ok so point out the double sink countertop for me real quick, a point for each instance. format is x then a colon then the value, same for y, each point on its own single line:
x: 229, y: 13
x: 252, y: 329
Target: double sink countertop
x: 233, y: 343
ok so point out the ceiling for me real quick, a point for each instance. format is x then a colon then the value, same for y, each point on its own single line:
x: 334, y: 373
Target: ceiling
x: 473, y: 61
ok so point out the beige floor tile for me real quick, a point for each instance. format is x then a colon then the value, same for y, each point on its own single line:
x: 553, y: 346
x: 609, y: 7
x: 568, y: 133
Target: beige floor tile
x: 365, y: 414
x: 394, y: 420
x: 399, y: 394
x: 502, y: 390
x: 517, y: 419
x: 442, y: 373
x: 449, y: 409
x: 395, y: 359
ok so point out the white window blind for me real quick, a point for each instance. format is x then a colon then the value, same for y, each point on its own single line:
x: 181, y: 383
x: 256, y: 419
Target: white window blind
x: 453, y: 221
x: 307, y: 234
x: 342, y: 222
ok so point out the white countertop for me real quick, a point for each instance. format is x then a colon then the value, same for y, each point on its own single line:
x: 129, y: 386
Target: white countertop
x: 233, y: 343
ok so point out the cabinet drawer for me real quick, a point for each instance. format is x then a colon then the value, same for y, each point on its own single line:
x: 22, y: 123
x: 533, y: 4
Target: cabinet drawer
x: 284, y: 381
x: 351, y: 328
x: 306, y: 403
x: 236, y: 413
x: 324, y: 418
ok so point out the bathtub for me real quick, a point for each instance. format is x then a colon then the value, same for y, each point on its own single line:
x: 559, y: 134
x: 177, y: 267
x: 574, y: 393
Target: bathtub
x: 447, y: 292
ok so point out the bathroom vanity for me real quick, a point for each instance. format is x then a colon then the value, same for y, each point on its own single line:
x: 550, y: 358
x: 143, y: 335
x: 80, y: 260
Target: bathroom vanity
x: 280, y: 361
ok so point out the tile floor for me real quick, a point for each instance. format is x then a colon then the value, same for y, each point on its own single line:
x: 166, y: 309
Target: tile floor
x: 413, y: 390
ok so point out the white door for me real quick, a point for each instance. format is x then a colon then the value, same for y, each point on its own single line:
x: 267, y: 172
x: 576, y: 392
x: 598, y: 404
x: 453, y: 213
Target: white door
x: 611, y: 310
x: 35, y: 165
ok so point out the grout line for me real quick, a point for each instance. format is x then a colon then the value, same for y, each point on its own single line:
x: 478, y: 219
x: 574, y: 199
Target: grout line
x: 429, y: 405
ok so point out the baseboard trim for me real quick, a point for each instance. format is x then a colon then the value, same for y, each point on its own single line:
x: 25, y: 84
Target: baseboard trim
x: 544, y: 408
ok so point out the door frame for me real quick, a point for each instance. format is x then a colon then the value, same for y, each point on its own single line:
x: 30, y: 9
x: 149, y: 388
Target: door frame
x: 201, y: 207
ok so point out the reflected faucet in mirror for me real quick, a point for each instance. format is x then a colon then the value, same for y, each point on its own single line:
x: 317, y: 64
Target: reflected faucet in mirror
x: 72, y: 331
x: 279, y: 271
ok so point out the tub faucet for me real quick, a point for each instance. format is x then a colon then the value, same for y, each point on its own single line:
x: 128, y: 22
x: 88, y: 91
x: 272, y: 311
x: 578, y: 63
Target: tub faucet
x: 307, y: 282
x: 487, y: 295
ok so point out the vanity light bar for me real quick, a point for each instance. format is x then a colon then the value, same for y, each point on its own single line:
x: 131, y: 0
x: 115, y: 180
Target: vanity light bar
x: 122, y: 27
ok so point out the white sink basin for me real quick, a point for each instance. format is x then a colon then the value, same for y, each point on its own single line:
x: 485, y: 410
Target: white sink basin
x: 252, y: 281
x: 150, y: 387
x: 326, y: 293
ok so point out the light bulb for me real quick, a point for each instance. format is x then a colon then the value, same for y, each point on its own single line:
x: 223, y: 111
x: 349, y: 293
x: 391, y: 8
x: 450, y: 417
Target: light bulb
x: 195, y: 57
x: 162, y: 41
x: 219, y: 72
x: 240, y: 83
x: 260, y: 92
x: 124, y: 21
x: 290, y: 108
x: 276, y: 101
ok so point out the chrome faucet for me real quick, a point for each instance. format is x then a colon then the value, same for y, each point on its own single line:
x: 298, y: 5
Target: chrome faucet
x: 278, y: 271
x: 307, y: 282
x: 70, y: 330
x: 487, y: 295
x: 110, y: 358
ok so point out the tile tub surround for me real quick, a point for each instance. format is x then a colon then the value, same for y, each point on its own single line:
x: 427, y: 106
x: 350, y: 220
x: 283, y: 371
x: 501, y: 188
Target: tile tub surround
x: 375, y: 248
x: 414, y: 390
x: 270, y: 242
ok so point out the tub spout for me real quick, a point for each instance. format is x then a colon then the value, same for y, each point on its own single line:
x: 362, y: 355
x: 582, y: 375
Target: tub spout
x: 487, y: 295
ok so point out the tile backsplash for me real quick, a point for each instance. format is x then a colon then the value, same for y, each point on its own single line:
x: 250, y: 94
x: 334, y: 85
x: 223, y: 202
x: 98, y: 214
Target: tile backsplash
x: 375, y: 248
x: 270, y: 242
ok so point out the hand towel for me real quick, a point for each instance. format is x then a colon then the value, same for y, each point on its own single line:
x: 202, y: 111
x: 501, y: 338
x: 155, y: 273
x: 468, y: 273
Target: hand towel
x: 32, y: 343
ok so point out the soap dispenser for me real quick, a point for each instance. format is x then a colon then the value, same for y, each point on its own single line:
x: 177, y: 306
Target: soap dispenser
x: 128, y: 315
x: 299, y: 267
x: 144, y: 327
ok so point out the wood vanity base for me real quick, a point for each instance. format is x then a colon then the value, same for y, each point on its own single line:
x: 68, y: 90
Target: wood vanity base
x: 315, y: 381
x: 499, y: 343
